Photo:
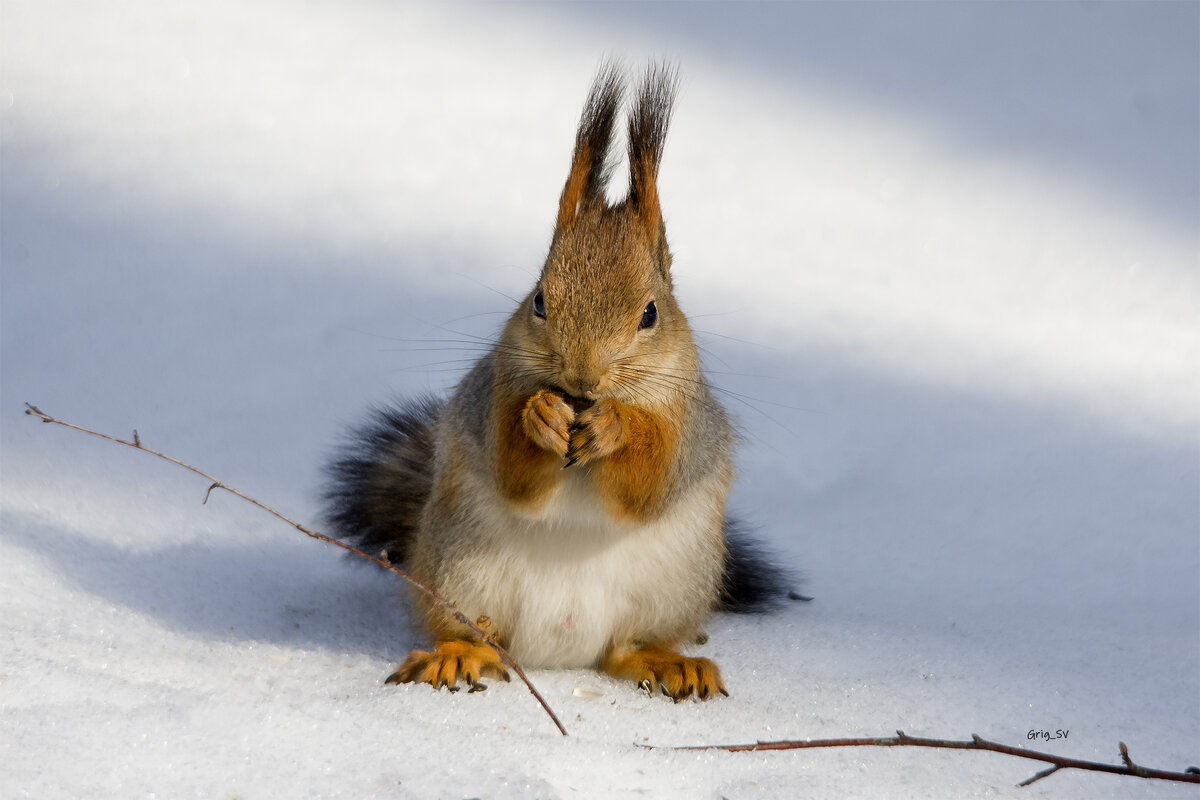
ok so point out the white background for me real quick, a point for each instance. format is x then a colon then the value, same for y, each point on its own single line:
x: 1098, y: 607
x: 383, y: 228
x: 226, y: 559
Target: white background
x: 944, y: 258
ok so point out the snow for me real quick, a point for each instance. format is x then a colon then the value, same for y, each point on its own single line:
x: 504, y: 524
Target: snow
x: 944, y: 257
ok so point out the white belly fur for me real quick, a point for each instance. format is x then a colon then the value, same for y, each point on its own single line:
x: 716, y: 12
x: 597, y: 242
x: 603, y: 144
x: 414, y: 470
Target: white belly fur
x: 564, y: 583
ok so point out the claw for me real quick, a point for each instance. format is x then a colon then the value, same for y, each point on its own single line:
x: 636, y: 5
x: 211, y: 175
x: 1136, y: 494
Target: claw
x: 673, y: 675
x: 450, y: 662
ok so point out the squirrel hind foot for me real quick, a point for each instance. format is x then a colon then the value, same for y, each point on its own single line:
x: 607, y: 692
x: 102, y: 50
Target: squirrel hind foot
x: 449, y: 661
x: 674, y: 675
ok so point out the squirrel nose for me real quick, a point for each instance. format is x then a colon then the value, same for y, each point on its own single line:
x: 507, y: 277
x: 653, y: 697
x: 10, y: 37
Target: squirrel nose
x: 582, y: 385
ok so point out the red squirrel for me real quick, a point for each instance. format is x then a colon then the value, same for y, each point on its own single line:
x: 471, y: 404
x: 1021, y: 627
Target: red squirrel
x: 572, y: 488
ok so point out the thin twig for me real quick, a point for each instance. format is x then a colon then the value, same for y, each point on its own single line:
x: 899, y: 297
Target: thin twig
x: 901, y: 739
x: 1046, y: 773
x: 215, y: 483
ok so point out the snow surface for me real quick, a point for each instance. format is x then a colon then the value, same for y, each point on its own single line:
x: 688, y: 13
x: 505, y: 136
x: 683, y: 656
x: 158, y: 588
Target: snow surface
x: 945, y: 262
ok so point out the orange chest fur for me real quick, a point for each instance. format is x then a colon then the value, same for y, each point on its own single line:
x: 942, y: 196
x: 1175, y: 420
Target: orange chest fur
x: 633, y: 482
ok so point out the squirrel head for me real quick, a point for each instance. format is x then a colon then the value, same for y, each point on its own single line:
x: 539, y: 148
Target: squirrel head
x: 602, y: 320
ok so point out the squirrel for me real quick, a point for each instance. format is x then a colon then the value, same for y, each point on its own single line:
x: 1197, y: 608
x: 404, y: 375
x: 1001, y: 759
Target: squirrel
x: 572, y: 488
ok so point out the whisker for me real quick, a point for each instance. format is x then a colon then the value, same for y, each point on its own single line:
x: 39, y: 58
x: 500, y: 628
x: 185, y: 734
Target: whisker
x: 476, y: 316
x: 478, y: 345
x: 451, y: 365
x: 749, y: 342
x: 679, y: 382
x: 478, y: 282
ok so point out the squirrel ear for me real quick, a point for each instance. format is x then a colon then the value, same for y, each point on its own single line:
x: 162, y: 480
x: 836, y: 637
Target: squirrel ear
x: 647, y: 135
x: 590, y: 167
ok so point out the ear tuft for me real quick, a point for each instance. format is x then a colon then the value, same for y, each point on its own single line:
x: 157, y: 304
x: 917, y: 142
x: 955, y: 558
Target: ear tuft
x: 590, y: 166
x: 648, y: 123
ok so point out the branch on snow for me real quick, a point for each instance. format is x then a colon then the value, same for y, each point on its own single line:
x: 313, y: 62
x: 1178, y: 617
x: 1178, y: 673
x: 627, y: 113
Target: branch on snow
x: 215, y: 483
x: 901, y: 739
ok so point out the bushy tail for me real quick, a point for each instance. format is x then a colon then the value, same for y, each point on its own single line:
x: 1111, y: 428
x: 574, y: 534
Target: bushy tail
x: 753, y: 583
x: 382, y: 479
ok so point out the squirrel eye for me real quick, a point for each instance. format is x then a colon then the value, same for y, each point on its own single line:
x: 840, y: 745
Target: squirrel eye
x: 539, y: 305
x: 649, y: 316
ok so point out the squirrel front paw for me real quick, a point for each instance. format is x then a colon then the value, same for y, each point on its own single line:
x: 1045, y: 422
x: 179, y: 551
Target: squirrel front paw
x: 547, y: 421
x: 597, y: 432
